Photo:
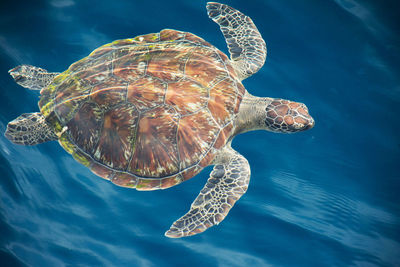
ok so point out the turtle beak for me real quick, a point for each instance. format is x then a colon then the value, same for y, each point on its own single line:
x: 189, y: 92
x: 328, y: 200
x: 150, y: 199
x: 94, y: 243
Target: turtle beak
x: 310, y: 125
x: 306, y: 117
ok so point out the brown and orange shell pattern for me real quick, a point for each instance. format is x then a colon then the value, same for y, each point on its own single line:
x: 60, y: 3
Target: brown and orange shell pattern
x: 148, y: 112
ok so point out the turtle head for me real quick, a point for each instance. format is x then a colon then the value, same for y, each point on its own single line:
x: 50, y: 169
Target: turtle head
x: 286, y: 116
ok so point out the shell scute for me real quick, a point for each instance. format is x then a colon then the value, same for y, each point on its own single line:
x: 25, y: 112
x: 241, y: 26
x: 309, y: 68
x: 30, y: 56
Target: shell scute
x: 146, y: 93
x: 204, y: 67
x: 82, y: 158
x: 148, y: 38
x: 122, y: 42
x: 171, y: 35
x: 125, y: 180
x: 117, y: 138
x: 113, y: 90
x: 168, y: 64
x: 171, y: 181
x: 156, y: 153
x: 196, y: 39
x: 227, y: 64
x: 205, y: 161
x: 223, y: 136
x: 190, y: 172
x: 101, y: 51
x: 186, y: 96
x: 93, y: 71
x: 85, y: 127
x: 101, y: 170
x: 146, y: 184
x: 65, y: 142
x: 222, y: 100
x: 195, y: 137
x: 237, y: 103
x: 71, y: 148
x: 70, y: 96
x: 130, y: 64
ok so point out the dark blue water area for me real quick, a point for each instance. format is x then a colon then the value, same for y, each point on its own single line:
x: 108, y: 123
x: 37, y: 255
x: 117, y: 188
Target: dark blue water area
x: 324, y: 197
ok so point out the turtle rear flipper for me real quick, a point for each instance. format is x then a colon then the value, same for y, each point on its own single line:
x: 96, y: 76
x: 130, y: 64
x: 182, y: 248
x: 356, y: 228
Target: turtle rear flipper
x: 31, y: 77
x: 30, y: 129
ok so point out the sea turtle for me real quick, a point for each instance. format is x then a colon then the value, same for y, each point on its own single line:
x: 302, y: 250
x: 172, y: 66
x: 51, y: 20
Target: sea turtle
x: 152, y: 111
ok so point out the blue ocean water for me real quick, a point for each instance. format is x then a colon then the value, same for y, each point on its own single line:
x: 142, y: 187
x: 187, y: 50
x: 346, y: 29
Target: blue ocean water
x: 324, y: 197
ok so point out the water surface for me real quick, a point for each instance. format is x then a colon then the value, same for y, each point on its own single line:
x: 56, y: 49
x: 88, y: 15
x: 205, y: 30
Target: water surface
x: 324, y: 197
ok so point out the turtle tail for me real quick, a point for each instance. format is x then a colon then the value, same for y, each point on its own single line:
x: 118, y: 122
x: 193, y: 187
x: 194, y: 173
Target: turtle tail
x: 30, y: 129
x: 31, y: 77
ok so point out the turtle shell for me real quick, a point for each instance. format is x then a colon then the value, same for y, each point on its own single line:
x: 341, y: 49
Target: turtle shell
x: 148, y: 112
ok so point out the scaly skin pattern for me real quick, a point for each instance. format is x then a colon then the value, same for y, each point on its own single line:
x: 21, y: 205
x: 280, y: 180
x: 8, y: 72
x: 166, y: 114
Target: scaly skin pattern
x: 148, y: 112
x: 32, y: 77
x: 286, y: 116
x: 246, y: 46
x: 29, y: 129
x: 228, y: 181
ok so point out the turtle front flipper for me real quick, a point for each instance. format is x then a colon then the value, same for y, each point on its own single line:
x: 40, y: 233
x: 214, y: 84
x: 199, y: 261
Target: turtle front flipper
x: 29, y: 129
x: 31, y: 77
x: 227, y: 183
x: 246, y: 46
